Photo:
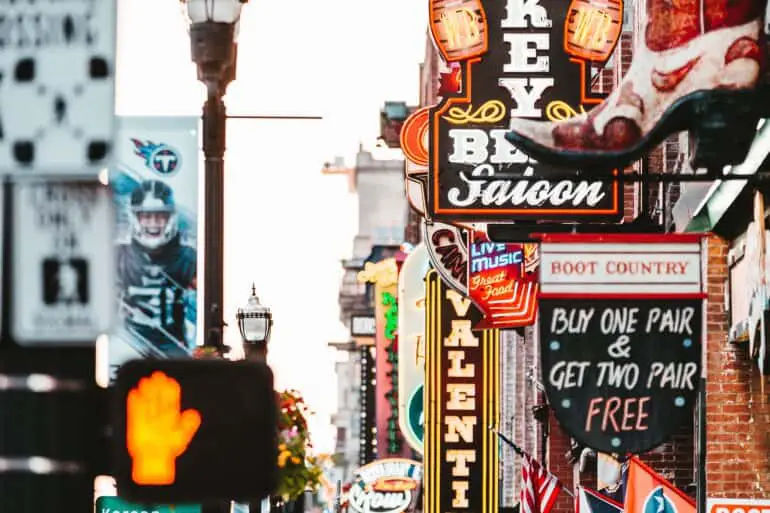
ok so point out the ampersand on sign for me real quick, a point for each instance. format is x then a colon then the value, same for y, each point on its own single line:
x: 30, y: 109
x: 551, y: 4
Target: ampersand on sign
x: 619, y: 348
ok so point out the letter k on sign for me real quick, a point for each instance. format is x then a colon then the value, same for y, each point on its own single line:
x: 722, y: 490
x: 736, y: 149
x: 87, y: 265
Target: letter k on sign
x: 157, y: 431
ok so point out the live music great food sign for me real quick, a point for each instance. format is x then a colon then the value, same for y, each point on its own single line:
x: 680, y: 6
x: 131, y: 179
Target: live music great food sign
x: 522, y: 71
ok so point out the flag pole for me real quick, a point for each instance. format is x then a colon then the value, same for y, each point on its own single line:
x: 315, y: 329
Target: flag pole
x: 518, y: 450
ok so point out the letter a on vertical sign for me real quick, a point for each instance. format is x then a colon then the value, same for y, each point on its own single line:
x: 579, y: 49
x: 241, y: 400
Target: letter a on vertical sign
x: 462, y: 400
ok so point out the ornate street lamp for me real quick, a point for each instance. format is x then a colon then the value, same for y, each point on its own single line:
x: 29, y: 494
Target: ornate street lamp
x: 255, y: 322
x: 213, y: 33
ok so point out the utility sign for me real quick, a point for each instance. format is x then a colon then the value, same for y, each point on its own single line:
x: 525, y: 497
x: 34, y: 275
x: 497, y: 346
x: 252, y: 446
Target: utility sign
x: 63, y: 263
x: 57, y: 86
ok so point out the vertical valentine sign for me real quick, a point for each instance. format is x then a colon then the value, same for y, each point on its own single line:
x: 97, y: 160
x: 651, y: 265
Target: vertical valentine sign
x: 621, y: 329
x: 462, y: 398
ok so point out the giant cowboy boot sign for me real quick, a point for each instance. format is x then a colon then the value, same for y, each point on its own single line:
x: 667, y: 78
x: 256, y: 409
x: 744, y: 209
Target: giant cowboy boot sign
x: 696, y: 67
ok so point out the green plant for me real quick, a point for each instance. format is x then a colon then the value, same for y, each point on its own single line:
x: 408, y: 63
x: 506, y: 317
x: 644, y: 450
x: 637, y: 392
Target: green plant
x: 297, y: 470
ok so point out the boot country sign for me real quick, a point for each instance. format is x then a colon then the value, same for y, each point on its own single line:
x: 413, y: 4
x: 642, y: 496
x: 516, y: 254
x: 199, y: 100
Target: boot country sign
x: 621, y: 329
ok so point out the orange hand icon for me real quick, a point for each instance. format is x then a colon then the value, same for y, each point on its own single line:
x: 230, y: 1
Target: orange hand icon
x: 157, y: 432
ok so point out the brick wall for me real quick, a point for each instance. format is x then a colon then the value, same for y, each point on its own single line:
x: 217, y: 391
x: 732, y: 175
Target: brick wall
x: 737, y: 412
x: 558, y: 446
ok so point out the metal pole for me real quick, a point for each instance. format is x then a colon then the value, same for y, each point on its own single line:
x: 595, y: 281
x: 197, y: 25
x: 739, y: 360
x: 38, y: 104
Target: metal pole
x: 701, y: 455
x: 214, y: 137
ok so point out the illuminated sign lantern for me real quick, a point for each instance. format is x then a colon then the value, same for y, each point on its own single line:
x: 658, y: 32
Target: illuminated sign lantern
x: 475, y: 173
x: 186, y: 429
x: 462, y: 377
x: 385, y: 486
x: 503, y: 281
x: 621, y: 330
x: 592, y: 29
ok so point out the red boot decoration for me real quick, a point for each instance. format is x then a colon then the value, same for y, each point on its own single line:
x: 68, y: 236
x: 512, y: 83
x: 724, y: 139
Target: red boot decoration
x: 697, y: 68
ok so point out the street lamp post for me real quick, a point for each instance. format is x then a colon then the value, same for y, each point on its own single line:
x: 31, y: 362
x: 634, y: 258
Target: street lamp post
x: 213, y: 33
x: 255, y: 322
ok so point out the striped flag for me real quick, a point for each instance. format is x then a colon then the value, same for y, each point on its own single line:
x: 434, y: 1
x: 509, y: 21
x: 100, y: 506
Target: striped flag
x: 539, y: 488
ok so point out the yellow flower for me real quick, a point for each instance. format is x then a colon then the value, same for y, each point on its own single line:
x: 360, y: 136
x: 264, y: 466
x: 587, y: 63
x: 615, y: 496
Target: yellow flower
x: 282, y: 447
x: 282, y: 458
x: 295, y: 460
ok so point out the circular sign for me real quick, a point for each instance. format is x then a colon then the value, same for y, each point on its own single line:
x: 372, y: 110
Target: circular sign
x: 414, y: 137
x: 416, y: 413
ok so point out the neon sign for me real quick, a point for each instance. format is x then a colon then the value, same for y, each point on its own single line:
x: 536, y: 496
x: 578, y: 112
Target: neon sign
x: 462, y: 400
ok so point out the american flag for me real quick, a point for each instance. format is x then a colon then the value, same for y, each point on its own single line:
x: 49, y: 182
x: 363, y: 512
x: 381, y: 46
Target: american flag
x: 539, y: 488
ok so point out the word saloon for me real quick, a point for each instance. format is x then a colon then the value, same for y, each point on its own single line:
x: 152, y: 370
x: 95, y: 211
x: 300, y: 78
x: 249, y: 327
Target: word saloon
x: 462, y: 396
x: 475, y: 172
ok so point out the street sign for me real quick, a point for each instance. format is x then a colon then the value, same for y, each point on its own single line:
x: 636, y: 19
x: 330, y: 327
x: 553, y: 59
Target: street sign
x: 63, y: 263
x: 57, y: 87
x: 194, y: 431
x: 118, y: 505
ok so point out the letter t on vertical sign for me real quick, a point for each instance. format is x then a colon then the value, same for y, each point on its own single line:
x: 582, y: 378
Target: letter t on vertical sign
x: 462, y: 377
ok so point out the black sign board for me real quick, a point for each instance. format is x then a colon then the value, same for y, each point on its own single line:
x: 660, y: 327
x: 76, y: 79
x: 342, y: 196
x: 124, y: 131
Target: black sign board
x: 621, y: 374
x: 192, y: 431
x: 475, y: 172
x: 461, y: 401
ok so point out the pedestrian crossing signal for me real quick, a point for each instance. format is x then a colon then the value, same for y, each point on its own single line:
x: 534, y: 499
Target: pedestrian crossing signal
x: 194, y: 431
x: 157, y: 431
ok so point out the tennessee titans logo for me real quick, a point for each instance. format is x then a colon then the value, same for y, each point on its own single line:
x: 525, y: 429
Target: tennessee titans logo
x: 161, y: 158
x: 656, y: 502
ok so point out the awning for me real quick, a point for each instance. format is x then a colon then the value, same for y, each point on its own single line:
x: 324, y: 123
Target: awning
x: 723, y: 193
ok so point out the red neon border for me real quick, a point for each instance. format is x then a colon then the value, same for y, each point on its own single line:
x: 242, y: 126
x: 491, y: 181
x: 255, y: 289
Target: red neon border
x: 619, y: 295
x: 619, y: 238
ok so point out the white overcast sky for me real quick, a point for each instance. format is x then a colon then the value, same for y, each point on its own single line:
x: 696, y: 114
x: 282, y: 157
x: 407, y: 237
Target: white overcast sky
x: 287, y: 227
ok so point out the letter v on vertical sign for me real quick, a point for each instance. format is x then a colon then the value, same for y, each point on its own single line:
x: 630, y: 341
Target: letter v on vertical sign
x: 461, y: 304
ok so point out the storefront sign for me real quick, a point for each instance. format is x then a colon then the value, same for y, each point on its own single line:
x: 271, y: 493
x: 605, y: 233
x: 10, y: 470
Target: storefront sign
x: 411, y: 346
x: 737, y: 505
x: 385, y: 486
x: 475, y: 173
x: 622, y: 375
x: 448, y: 249
x: 362, y: 326
x: 621, y: 329
x: 607, y: 264
x: 462, y: 401
x: 384, y: 276
x: 503, y: 282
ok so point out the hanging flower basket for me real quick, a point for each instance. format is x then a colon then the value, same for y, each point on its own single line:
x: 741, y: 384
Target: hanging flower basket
x: 297, y: 471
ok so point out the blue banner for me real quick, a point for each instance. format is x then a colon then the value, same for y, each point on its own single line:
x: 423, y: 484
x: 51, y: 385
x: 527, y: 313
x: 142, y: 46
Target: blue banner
x: 154, y: 178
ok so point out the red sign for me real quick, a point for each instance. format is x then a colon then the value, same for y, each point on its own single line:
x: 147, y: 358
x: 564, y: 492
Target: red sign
x: 503, y: 281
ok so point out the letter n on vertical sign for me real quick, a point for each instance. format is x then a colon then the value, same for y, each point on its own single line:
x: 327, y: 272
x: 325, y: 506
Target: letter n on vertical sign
x: 461, y: 401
